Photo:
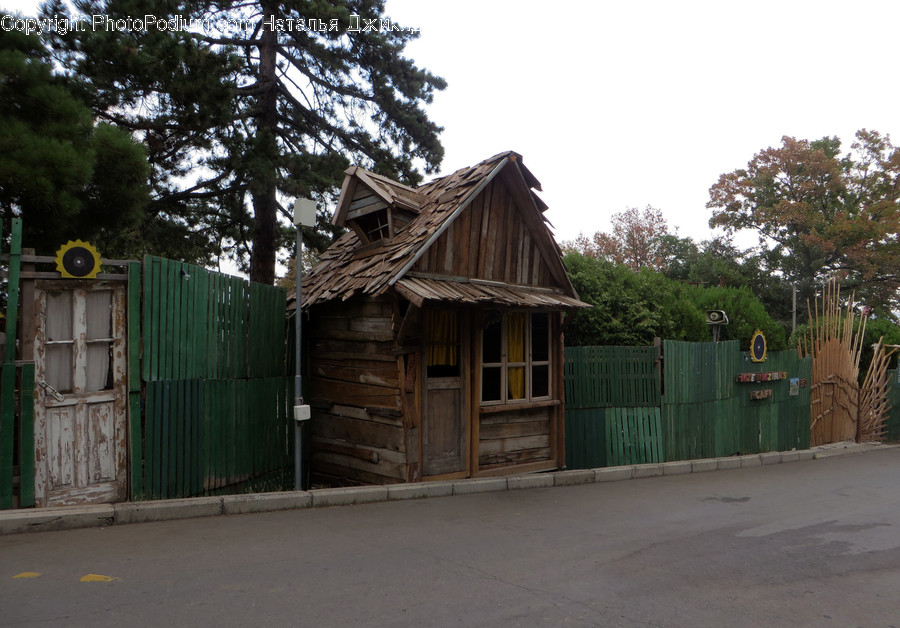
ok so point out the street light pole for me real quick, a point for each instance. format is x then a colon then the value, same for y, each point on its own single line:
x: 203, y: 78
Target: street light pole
x: 304, y: 216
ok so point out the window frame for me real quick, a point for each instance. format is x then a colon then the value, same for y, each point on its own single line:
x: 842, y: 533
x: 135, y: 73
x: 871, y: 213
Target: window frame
x: 529, y: 364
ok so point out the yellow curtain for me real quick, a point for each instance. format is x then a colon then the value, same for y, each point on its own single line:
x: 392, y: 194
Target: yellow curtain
x: 517, y: 324
x: 443, y: 338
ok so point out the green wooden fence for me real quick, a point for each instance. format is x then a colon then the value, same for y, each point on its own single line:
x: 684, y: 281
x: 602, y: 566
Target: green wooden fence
x: 217, y: 389
x: 892, y: 425
x: 606, y: 377
x: 16, y: 397
x: 697, y: 409
x: 708, y: 413
x: 612, y: 406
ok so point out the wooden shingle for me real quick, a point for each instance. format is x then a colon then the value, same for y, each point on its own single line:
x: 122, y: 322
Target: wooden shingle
x: 351, y: 267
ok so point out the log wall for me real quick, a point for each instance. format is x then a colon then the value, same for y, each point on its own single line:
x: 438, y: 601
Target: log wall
x: 354, y: 391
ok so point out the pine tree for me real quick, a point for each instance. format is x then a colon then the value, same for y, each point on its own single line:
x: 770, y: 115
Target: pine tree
x: 65, y: 176
x: 255, y: 104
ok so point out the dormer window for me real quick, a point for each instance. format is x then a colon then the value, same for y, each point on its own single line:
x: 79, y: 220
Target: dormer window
x: 375, y: 226
x: 375, y: 207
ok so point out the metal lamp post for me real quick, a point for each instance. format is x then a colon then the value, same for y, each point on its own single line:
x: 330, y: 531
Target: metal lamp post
x: 304, y: 216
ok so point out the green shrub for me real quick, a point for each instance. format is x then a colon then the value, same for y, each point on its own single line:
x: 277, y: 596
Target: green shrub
x: 632, y: 308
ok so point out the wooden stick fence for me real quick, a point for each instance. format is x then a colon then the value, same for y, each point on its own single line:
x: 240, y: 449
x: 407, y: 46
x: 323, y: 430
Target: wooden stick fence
x: 874, y: 403
x: 836, y: 350
x: 840, y: 410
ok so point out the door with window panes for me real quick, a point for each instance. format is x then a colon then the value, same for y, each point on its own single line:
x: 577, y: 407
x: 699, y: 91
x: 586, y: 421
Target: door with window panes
x: 80, y: 369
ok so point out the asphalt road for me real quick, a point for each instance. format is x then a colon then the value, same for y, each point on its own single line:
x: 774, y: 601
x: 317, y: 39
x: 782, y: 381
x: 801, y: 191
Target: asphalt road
x: 812, y: 543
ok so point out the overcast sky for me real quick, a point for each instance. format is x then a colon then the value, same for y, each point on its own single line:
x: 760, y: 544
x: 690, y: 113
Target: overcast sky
x: 624, y: 104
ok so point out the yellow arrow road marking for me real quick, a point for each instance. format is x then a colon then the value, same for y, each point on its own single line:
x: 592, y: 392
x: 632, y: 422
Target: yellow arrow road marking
x: 27, y: 574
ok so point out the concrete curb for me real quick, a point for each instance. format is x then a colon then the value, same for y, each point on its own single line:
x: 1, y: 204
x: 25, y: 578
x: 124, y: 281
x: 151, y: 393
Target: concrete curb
x: 71, y: 517
x: 64, y: 518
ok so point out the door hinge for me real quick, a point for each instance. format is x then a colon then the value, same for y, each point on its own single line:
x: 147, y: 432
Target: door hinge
x: 50, y: 389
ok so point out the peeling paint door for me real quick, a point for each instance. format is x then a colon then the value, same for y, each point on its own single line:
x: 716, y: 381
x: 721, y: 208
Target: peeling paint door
x: 80, y: 409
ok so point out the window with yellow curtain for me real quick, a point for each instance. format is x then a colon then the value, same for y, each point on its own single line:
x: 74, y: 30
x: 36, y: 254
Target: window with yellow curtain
x: 515, y: 360
x: 442, y: 338
x: 516, y: 326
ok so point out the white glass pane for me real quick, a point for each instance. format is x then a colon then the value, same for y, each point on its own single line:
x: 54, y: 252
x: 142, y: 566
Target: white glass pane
x: 99, y: 314
x: 59, y: 366
x: 59, y: 316
x: 97, y: 374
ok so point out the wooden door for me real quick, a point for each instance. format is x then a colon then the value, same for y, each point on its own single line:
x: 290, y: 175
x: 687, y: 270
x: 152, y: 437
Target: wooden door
x: 445, y: 422
x: 80, y: 410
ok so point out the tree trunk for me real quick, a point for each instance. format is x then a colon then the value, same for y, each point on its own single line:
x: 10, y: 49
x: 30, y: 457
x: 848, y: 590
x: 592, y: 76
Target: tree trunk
x: 264, y: 185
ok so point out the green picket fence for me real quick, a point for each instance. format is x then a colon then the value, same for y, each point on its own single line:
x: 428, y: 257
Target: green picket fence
x: 203, y: 324
x: 703, y: 411
x: 612, y: 406
x: 604, y: 377
x: 586, y: 438
x: 707, y: 413
x: 209, y: 394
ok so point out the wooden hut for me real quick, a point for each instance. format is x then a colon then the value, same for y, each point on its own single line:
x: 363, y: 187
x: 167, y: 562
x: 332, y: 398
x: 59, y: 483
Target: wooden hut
x: 435, y: 330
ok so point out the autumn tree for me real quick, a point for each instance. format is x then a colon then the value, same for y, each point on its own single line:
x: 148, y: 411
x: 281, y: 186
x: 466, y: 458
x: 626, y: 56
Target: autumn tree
x: 637, y: 240
x: 254, y: 104
x: 819, y: 214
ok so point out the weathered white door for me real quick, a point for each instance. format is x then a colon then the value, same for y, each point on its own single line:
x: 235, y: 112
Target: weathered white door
x: 80, y: 410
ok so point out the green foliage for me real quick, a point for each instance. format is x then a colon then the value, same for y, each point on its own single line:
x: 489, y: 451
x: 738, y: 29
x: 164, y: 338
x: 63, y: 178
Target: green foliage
x: 719, y: 262
x: 66, y: 177
x: 629, y: 308
x: 632, y: 308
x: 745, y: 311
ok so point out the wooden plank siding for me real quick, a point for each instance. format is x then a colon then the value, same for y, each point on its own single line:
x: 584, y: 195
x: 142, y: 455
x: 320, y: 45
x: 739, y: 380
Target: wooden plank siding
x: 514, y: 436
x: 357, y: 424
x: 491, y: 241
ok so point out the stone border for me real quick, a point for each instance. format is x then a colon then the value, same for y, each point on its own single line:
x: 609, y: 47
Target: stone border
x: 71, y: 517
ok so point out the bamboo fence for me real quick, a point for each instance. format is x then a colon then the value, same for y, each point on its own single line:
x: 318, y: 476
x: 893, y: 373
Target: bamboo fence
x: 874, y: 405
x: 839, y: 409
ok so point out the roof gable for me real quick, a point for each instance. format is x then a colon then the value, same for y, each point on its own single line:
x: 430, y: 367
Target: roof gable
x: 349, y: 267
x: 493, y: 240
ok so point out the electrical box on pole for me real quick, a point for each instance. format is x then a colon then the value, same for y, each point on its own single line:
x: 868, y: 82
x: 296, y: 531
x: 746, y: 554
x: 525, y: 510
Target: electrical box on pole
x: 304, y: 216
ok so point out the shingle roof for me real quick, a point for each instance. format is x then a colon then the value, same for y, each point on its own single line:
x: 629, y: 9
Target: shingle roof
x: 349, y: 268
